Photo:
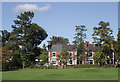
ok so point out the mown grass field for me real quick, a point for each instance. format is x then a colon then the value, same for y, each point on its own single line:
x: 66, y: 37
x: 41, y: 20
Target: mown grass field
x: 62, y: 74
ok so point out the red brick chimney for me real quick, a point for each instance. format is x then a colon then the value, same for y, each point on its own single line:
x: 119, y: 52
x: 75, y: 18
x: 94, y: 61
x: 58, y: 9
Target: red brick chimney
x: 86, y: 44
x: 49, y: 45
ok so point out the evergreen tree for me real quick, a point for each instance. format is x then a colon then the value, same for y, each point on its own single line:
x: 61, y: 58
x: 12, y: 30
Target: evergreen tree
x: 80, y: 36
x: 27, y: 36
x: 59, y: 40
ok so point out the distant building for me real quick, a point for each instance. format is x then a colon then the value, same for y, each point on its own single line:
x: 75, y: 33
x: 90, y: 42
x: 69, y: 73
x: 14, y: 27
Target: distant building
x: 54, y: 50
x: 90, y: 53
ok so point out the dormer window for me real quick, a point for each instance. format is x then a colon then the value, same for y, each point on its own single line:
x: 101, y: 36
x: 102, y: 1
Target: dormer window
x: 54, y: 54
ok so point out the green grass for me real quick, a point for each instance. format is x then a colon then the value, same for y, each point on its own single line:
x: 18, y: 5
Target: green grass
x: 62, y: 74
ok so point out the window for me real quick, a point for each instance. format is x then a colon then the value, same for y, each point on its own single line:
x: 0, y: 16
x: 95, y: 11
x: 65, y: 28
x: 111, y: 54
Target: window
x: 80, y: 62
x: 70, y: 61
x: 54, y: 55
x: 53, y: 62
x: 74, y: 58
x: 90, y: 62
x: 90, y: 54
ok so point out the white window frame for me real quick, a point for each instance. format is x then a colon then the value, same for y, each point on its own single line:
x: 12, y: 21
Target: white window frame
x: 52, y: 54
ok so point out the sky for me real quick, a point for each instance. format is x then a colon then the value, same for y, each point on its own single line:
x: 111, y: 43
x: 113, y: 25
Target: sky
x: 60, y: 18
x: 60, y: 0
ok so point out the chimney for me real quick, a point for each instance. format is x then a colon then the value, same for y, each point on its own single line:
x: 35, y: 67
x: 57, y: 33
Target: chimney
x: 86, y: 44
x: 49, y: 45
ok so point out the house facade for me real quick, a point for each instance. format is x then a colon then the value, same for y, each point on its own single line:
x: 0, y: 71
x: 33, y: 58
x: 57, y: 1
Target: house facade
x: 90, y: 53
x: 54, y: 50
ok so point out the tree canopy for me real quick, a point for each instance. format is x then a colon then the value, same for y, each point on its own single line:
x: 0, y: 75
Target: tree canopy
x: 103, y: 38
x: 24, y: 39
x: 102, y: 34
x: 64, y: 56
x: 59, y: 40
x: 80, y: 36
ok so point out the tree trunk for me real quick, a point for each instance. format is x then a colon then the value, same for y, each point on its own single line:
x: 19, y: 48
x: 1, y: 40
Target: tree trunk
x: 23, y: 66
x: 79, y: 59
x: 79, y: 62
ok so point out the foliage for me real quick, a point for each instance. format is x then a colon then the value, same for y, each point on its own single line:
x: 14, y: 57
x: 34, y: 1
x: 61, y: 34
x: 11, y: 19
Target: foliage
x: 102, y: 34
x: 80, y: 36
x: 44, y: 57
x: 44, y: 47
x: 59, y: 40
x: 83, y: 66
x: 99, y: 57
x: 103, y: 38
x: 5, y: 37
x: 80, y: 52
x: 118, y: 45
x: 27, y: 36
x: 64, y: 56
x: 21, y: 44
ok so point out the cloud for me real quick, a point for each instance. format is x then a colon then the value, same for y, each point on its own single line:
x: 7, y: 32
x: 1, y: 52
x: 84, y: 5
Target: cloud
x: 30, y: 7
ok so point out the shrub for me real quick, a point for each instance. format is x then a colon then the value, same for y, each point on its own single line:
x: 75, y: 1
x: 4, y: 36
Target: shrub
x: 52, y: 67
x: 83, y: 66
x: 108, y: 65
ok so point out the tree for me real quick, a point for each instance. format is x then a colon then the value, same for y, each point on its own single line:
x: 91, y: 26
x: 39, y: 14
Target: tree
x: 102, y: 34
x: 27, y: 36
x: 118, y: 45
x: 80, y: 52
x: 44, y: 57
x: 64, y: 56
x: 99, y: 57
x: 80, y: 36
x: 5, y: 37
x: 103, y: 37
x: 44, y: 46
x: 59, y: 40
x: 7, y: 51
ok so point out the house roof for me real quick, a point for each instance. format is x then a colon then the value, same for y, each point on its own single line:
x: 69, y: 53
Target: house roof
x: 91, y: 47
x: 59, y: 47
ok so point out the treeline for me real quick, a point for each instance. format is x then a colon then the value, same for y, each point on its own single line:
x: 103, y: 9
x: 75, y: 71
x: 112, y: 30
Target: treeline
x: 20, y: 46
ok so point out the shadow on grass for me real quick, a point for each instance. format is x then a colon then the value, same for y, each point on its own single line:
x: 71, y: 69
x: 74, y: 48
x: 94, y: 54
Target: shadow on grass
x: 10, y: 69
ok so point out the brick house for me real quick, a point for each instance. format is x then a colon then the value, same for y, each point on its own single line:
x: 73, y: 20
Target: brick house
x: 54, y: 50
x: 89, y: 54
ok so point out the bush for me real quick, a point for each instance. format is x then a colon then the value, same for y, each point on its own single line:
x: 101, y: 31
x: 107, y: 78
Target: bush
x: 108, y: 65
x: 52, y: 67
x: 38, y: 67
x: 83, y: 66
x: 42, y: 67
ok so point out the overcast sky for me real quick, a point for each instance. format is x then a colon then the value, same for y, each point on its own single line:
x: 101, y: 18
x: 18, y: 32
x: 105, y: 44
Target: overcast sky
x: 60, y: 18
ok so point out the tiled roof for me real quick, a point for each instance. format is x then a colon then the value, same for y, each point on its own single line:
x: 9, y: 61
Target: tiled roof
x: 92, y: 47
x: 59, y: 47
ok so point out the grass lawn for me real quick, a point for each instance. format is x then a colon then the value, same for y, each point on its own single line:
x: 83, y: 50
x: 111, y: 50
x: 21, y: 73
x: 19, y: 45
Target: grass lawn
x: 62, y: 74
